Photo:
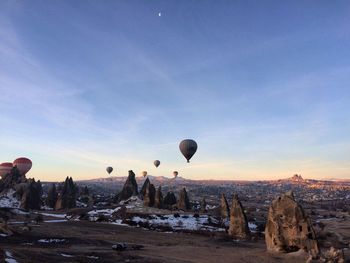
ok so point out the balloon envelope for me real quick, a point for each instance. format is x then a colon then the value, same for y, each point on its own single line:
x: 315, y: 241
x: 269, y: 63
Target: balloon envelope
x: 175, y: 173
x: 23, y: 165
x: 109, y: 169
x: 156, y: 163
x: 144, y: 173
x: 5, y: 168
x: 188, y: 148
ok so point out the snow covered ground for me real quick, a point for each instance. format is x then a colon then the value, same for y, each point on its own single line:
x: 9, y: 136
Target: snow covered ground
x: 95, y: 214
x: 8, y: 200
x: 182, y: 222
x: 133, y: 202
x: 66, y: 255
x: 51, y: 240
x: 252, y: 227
x: 165, y: 222
x: 9, y: 258
x: 53, y: 215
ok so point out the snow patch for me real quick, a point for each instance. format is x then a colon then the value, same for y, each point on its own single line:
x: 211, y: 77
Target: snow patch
x: 66, y: 255
x: 54, y: 215
x: 252, y: 227
x: 119, y: 222
x: 184, y: 222
x: 56, y: 221
x: 9, y: 200
x: 95, y: 214
x: 80, y: 204
x: 9, y: 258
x: 92, y: 257
x: 51, y: 240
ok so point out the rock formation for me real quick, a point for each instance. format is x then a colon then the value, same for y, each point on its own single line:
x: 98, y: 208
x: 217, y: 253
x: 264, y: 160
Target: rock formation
x: 297, y: 178
x: 144, y: 186
x: 224, y: 208
x: 334, y: 255
x: 183, y: 202
x: 52, y: 196
x: 85, y: 197
x: 22, y: 189
x: 149, y: 197
x: 31, y: 197
x: 67, y: 196
x: 129, y: 188
x: 158, y: 202
x: 121, y: 213
x: 169, y: 200
x: 288, y: 228
x: 203, y: 205
x: 238, y: 220
x: 11, y: 180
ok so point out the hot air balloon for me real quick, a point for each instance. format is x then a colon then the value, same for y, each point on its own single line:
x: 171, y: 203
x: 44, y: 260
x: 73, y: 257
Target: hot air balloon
x: 188, y: 148
x: 109, y: 169
x: 175, y: 173
x: 144, y: 173
x: 5, y: 168
x: 23, y: 165
x: 156, y: 163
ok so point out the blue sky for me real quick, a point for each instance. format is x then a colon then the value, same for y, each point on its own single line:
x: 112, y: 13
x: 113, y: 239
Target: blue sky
x: 262, y: 86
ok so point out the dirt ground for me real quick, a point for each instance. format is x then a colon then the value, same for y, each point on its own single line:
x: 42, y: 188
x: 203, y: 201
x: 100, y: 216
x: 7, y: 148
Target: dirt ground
x: 91, y: 242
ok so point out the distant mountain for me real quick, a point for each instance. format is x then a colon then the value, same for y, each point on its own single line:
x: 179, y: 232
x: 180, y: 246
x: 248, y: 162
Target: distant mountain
x: 138, y: 179
x: 180, y: 180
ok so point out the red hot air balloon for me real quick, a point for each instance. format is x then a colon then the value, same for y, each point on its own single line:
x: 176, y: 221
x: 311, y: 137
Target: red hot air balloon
x: 5, y: 168
x: 23, y: 165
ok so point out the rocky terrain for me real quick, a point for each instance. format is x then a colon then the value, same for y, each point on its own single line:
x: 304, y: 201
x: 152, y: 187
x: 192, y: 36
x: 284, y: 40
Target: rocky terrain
x: 72, y: 222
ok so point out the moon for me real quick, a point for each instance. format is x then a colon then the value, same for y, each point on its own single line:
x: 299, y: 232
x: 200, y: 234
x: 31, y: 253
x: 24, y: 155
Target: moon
x: 159, y: 14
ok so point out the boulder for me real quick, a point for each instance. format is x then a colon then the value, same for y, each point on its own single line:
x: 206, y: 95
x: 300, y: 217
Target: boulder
x: 288, y: 229
x: 183, y: 202
x: 158, y: 202
x: 169, y: 200
x: 149, y: 197
x: 129, y: 188
x: 238, y: 220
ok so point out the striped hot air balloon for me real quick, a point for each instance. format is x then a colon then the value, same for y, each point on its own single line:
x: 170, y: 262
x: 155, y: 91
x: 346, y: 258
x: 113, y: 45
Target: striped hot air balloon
x: 188, y: 148
x: 5, y: 168
x: 23, y: 165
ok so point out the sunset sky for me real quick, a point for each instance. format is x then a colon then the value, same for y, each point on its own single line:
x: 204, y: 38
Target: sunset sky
x: 262, y: 86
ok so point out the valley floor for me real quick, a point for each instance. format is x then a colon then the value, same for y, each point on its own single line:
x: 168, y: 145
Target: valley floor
x: 83, y: 241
